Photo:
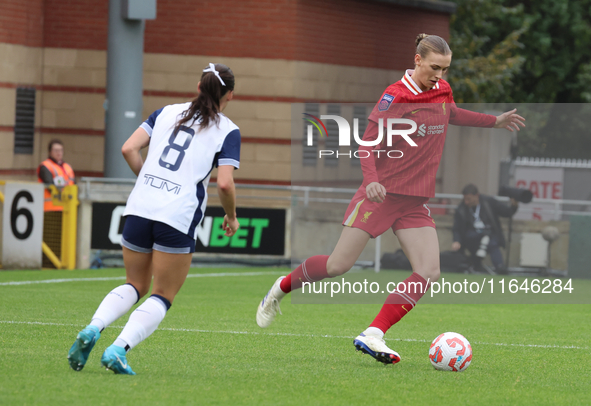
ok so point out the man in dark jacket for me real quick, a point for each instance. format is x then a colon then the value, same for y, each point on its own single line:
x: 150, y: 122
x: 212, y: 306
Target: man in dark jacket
x: 477, y: 227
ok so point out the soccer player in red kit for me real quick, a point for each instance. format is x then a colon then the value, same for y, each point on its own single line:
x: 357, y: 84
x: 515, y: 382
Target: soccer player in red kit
x: 395, y: 192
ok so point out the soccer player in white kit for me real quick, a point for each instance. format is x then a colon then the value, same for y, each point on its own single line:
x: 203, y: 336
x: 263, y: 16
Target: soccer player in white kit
x: 164, y: 209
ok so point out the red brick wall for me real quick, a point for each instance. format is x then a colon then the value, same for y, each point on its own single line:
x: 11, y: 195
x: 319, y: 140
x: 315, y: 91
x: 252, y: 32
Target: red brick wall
x: 363, y: 33
x: 343, y: 32
x: 21, y: 22
x: 240, y: 28
x: 80, y: 24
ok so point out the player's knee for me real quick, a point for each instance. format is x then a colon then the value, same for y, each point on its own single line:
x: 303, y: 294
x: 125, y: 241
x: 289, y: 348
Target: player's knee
x: 337, y: 268
x: 432, y: 274
x: 142, y: 289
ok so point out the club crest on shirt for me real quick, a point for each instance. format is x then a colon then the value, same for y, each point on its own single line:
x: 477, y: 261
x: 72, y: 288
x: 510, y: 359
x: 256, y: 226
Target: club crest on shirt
x: 386, y: 101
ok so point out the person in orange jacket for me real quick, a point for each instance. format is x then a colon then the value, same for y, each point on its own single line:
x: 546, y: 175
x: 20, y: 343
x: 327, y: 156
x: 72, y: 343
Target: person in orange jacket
x: 54, y: 171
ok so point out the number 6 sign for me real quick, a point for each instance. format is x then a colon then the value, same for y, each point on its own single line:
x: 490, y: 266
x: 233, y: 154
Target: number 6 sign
x: 22, y: 225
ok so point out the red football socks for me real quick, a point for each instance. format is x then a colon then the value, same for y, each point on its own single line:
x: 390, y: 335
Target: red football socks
x: 399, y: 303
x: 311, y: 270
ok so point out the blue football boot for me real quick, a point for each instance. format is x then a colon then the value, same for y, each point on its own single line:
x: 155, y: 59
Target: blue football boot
x: 85, y: 341
x: 114, y: 358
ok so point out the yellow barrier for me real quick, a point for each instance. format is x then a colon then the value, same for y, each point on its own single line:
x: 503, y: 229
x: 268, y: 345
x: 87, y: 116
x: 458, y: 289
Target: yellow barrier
x: 52, y: 257
x: 68, y: 199
x: 69, y: 225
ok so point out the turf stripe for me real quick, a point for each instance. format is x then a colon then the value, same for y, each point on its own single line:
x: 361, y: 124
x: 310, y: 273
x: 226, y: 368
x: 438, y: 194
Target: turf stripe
x: 115, y: 278
x: 189, y: 330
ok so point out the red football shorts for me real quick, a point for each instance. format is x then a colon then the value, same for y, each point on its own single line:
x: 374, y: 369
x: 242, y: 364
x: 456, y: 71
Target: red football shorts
x: 397, y: 212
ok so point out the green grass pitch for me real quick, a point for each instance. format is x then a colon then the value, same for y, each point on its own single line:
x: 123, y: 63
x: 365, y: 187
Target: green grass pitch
x: 210, y: 351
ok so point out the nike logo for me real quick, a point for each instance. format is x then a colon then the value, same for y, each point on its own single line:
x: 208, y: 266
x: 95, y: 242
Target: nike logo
x: 415, y: 111
x: 404, y: 308
x: 121, y: 362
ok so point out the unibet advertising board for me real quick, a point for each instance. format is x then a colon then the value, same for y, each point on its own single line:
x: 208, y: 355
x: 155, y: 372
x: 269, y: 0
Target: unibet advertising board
x: 261, y: 232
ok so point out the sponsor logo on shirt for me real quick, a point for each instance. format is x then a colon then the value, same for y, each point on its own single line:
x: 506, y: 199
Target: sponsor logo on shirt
x: 431, y: 130
x: 421, y: 132
x: 162, y: 184
x: 436, y: 129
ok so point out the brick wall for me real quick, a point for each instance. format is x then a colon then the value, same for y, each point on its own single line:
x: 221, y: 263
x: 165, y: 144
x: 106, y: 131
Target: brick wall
x: 239, y: 28
x: 79, y: 24
x: 362, y: 33
x: 21, y: 22
x: 342, y: 32
x: 281, y: 51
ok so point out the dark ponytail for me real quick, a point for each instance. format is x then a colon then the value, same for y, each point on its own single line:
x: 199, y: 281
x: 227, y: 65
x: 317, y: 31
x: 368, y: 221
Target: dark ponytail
x: 206, y: 105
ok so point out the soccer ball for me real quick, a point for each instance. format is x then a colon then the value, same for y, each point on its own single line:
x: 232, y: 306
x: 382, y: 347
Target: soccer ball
x: 450, y: 352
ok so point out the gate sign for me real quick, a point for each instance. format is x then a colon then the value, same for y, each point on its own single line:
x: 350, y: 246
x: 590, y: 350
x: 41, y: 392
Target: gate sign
x: 544, y: 183
x: 261, y: 232
x: 22, y: 225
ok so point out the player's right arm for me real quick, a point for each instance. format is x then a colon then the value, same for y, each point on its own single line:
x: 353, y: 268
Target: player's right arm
x: 386, y: 107
x: 132, y: 147
x: 374, y: 191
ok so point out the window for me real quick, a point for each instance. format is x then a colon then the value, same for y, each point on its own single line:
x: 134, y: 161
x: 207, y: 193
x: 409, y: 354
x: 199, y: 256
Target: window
x: 24, y: 124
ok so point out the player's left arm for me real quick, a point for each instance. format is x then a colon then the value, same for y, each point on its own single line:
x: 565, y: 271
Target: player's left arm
x: 510, y: 121
x: 132, y: 147
x: 227, y: 160
x: 462, y: 117
x: 467, y: 118
x: 227, y: 195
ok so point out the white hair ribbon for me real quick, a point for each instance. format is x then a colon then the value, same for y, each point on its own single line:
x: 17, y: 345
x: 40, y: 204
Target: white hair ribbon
x: 215, y: 72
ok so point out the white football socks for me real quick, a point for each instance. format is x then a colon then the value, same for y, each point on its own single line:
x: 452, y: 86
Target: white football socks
x: 142, y: 322
x: 118, y: 302
x: 374, y: 331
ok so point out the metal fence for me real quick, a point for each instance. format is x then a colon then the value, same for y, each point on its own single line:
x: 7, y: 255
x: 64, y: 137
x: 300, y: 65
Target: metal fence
x: 307, y: 195
x: 311, y: 194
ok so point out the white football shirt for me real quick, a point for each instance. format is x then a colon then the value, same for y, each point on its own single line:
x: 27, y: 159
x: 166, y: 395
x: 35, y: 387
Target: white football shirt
x: 172, y: 184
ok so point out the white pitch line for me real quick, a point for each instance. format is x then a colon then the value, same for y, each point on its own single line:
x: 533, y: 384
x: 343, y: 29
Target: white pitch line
x: 189, y: 330
x: 115, y: 278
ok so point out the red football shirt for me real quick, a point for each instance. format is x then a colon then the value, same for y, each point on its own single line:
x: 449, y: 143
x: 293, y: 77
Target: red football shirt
x: 412, y: 170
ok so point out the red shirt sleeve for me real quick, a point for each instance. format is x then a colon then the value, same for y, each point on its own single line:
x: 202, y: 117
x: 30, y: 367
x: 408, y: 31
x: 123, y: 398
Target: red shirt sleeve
x: 469, y: 118
x: 368, y: 165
